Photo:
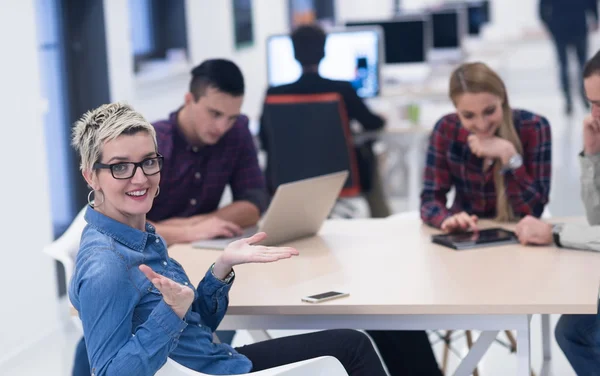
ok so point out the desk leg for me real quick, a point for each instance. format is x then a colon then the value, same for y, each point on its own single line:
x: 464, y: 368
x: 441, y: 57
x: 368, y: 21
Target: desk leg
x: 469, y: 362
x: 546, y: 336
x: 524, y: 347
x: 546, y: 340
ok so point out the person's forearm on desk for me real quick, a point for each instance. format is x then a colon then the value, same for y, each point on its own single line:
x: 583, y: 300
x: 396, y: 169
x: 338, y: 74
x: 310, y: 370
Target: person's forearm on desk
x: 358, y: 110
x: 188, y: 230
x: 579, y: 237
x: 243, y: 213
x: 175, y: 230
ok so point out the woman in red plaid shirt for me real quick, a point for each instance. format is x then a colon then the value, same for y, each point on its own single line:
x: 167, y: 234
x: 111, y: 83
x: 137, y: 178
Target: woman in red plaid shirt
x: 498, y: 159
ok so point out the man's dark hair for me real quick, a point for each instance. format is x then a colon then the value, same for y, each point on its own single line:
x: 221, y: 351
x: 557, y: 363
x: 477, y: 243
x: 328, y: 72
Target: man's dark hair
x: 220, y: 74
x: 309, y: 44
x: 592, y: 66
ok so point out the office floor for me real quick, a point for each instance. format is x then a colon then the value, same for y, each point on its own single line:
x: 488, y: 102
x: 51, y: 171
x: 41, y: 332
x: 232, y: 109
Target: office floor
x: 531, y: 77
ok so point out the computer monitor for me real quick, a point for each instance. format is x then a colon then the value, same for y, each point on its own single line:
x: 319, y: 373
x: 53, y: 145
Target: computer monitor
x: 352, y: 54
x: 449, y: 26
x: 407, y: 39
x: 478, y: 15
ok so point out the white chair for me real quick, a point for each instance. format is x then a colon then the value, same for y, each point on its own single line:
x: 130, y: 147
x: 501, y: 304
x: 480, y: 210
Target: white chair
x: 322, y: 366
x: 64, y: 250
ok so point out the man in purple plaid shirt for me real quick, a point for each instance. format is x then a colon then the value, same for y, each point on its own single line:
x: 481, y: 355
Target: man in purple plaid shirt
x: 206, y: 146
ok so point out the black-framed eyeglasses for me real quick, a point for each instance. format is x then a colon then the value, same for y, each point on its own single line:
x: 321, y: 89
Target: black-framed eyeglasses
x: 126, y: 170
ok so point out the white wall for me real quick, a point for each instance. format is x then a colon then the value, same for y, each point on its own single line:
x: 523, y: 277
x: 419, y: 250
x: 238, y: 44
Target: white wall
x: 514, y: 19
x: 29, y: 308
x: 118, y: 44
x: 210, y: 35
x: 352, y: 10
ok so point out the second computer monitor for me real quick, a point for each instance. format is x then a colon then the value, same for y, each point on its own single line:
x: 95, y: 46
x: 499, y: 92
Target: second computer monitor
x: 478, y: 14
x: 447, y: 28
x: 351, y: 55
x: 407, y: 39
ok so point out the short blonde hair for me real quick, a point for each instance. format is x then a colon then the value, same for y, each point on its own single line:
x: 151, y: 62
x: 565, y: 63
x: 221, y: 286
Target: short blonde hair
x: 103, y: 124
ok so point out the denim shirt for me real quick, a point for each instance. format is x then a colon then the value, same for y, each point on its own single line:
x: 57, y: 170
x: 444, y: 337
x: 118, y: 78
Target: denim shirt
x: 128, y: 327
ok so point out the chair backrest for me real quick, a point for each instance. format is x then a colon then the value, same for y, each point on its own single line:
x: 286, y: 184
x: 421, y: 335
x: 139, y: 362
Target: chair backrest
x: 172, y: 368
x: 308, y: 135
x: 65, y: 248
x: 321, y: 366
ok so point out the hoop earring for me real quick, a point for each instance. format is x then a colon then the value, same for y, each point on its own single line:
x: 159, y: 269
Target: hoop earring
x: 157, y: 191
x: 91, y: 202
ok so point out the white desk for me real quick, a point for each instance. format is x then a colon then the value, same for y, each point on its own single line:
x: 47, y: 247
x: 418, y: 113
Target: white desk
x: 398, y: 279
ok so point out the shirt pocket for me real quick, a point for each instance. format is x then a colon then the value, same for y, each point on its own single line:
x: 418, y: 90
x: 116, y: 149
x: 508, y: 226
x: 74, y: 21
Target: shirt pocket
x: 174, y: 273
x: 177, y: 273
x: 149, y: 287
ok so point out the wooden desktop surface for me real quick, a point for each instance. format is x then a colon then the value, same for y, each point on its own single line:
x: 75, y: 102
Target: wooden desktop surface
x: 391, y: 267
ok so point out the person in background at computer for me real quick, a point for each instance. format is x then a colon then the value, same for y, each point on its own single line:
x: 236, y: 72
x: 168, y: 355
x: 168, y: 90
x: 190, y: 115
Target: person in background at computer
x: 309, y: 50
x: 568, y: 22
x: 207, y: 145
x: 578, y: 335
x: 497, y: 159
x: 136, y: 304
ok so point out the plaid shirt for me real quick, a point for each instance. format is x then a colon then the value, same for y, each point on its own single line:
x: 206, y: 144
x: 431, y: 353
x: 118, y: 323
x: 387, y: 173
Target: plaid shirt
x: 193, y: 177
x: 450, y: 163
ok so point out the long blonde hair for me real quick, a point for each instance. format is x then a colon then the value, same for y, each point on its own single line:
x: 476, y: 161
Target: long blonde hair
x: 479, y: 78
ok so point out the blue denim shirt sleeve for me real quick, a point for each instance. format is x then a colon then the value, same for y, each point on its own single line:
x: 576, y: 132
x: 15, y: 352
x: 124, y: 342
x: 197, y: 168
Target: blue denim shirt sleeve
x: 213, y: 299
x: 106, y: 299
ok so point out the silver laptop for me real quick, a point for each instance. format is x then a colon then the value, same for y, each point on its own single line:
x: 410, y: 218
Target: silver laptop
x: 297, y: 210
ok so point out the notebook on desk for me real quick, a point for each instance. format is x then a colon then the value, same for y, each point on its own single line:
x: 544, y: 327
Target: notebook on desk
x: 298, y: 210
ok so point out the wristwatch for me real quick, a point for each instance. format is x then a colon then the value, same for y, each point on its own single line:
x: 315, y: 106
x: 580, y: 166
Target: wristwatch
x: 228, y: 278
x: 556, y: 229
x: 514, y: 162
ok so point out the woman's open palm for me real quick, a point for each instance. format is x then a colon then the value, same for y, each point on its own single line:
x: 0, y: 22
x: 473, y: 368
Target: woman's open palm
x: 245, y: 251
x: 177, y: 296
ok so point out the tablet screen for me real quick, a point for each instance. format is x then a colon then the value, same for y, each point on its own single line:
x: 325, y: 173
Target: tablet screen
x: 468, y: 240
x: 483, y: 236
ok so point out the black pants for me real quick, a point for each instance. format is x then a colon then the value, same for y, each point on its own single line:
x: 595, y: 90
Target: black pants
x: 352, y: 348
x: 562, y: 44
x: 406, y: 353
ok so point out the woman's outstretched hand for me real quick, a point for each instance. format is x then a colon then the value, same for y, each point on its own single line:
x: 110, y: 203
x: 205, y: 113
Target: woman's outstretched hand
x: 245, y: 251
x: 177, y: 296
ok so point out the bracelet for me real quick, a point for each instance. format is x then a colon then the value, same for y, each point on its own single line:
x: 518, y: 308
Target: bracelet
x: 556, y: 234
x: 228, y: 278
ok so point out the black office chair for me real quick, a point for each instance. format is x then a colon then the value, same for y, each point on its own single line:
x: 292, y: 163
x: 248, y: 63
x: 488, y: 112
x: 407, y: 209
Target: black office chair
x: 307, y: 136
